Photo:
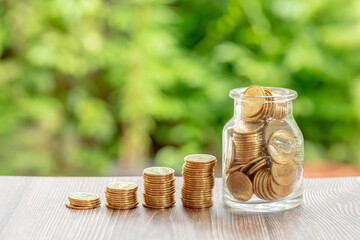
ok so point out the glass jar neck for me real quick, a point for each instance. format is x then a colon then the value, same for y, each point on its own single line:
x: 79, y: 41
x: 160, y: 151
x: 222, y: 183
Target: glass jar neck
x: 237, y: 108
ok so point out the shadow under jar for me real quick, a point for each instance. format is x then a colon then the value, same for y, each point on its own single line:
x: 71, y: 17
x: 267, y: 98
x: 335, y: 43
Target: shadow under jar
x: 263, y: 151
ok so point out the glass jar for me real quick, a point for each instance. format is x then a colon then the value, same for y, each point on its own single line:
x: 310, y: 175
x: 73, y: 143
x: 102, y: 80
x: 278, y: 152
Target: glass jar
x: 263, y: 151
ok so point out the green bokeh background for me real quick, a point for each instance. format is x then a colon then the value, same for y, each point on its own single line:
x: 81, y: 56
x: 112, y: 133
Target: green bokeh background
x: 90, y: 87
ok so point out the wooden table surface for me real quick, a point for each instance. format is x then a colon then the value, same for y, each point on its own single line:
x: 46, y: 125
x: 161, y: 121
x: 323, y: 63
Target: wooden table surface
x: 34, y: 208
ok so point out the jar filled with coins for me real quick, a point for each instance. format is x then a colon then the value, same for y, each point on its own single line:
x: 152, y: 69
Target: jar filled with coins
x: 263, y: 151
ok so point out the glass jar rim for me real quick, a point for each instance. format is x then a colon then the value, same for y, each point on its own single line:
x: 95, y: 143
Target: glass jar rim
x: 279, y: 95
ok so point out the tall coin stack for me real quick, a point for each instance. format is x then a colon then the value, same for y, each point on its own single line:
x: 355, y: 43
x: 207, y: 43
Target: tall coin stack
x: 83, y: 201
x: 159, y: 187
x: 247, y: 144
x: 121, y: 195
x: 199, y: 180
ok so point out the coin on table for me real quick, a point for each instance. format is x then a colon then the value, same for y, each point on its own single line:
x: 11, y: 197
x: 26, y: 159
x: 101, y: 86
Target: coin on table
x: 252, y: 101
x: 239, y: 186
x: 69, y: 205
x: 282, y: 146
x: 122, y: 207
x: 83, y: 196
x: 284, y: 174
x: 122, y: 185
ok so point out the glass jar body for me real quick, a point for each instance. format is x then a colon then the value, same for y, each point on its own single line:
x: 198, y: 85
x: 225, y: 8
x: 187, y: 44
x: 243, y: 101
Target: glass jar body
x: 263, y: 156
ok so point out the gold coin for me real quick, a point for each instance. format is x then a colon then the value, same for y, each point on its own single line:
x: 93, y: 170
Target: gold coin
x: 280, y: 191
x: 276, y: 125
x: 284, y: 174
x: 165, y: 184
x: 158, y: 179
x: 260, y: 183
x: 200, y: 158
x: 249, y: 164
x: 196, y: 175
x: 198, y: 188
x: 196, y: 194
x: 280, y: 110
x: 198, y: 169
x: 282, y: 146
x: 191, y: 162
x: 239, y: 186
x: 158, y: 171
x: 84, y: 201
x: 234, y: 169
x: 84, y: 204
x: 199, y: 182
x: 148, y: 199
x: 158, y: 206
x: 202, y: 168
x: 122, y: 186
x: 83, y: 196
x: 195, y: 202
x: 252, y: 101
x: 69, y: 205
x: 122, y: 194
x: 266, y: 184
x: 159, y: 202
x: 198, y: 172
x: 121, y: 207
x: 159, y: 190
x: 197, y: 198
x: 117, y: 203
x: 244, y: 128
x: 260, y: 164
x: 197, y: 206
x: 255, y: 182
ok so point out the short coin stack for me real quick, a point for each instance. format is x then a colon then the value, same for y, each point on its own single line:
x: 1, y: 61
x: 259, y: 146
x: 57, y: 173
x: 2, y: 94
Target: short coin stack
x: 159, y: 187
x: 83, y: 201
x: 199, y: 180
x: 121, y: 195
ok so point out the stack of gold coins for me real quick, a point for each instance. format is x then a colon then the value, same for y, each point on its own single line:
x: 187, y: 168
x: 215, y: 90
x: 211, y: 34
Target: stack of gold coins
x: 256, y: 104
x: 280, y: 110
x: 199, y: 180
x: 83, y: 201
x: 264, y: 149
x: 121, y: 195
x: 159, y: 187
x: 247, y: 144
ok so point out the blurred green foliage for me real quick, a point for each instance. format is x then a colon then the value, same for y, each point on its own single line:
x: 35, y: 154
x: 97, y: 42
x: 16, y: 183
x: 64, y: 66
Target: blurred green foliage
x: 89, y: 85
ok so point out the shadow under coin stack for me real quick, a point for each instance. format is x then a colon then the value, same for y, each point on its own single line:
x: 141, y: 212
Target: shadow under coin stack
x: 83, y: 201
x: 264, y: 149
x: 159, y: 187
x: 121, y: 195
x: 199, y: 180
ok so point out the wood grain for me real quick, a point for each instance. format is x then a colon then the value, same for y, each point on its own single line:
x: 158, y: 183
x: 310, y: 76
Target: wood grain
x: 34, y: 208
